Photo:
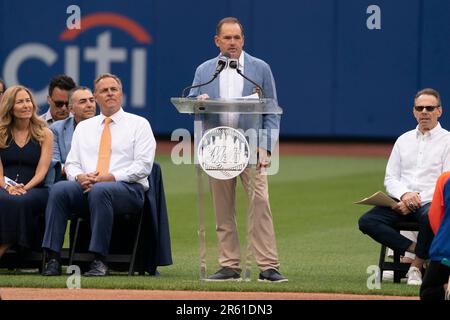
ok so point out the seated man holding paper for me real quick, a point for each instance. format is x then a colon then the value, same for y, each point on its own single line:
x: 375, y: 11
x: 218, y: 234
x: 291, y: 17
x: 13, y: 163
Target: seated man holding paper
x: 417, y: 160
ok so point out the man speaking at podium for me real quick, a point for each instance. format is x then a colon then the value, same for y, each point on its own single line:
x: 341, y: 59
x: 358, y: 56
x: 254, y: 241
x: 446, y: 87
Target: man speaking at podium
x: 230, y: 84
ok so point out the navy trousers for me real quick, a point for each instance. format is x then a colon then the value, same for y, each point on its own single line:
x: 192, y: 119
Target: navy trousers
x: 105, y: 200
x: 378, y: 224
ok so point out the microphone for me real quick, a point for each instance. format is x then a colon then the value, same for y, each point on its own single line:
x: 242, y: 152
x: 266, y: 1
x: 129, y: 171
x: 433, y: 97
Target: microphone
x: 221, y: 64
x: 234, y: 64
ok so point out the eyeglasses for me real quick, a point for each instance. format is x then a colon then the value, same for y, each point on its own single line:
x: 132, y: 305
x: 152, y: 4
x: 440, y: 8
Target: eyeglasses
x: 428, y: 108
x: 60, y: 104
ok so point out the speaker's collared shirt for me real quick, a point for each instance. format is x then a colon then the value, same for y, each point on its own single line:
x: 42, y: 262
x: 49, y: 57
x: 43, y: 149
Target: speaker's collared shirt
x: 231, y: 86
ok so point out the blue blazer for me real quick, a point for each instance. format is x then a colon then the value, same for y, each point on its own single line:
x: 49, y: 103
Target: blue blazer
x: 62, y: 138
x: 255, y: 69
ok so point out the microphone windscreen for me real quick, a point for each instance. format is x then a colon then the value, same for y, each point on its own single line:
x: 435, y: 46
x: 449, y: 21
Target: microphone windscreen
x: 222, y: 62
x: 233, y: 63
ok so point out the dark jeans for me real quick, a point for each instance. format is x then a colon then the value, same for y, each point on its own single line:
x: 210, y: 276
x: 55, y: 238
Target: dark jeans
x: 433, y: 282
x: 378, y: 224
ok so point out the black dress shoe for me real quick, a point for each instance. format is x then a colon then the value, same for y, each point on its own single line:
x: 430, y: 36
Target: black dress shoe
x: 225, y: 274
x: 97, y: 269
x: 272, y: 275
x: 52, y: 268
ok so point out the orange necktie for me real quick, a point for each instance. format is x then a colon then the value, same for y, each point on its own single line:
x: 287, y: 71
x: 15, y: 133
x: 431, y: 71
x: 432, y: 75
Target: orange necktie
x: 104, y: 151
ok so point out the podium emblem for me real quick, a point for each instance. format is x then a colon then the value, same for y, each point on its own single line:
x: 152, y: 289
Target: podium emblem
x: 223, y: 153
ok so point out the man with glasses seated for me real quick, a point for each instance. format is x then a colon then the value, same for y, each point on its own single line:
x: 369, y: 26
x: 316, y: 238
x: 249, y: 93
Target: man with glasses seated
x: 58, y: 98
x: 418, y: 158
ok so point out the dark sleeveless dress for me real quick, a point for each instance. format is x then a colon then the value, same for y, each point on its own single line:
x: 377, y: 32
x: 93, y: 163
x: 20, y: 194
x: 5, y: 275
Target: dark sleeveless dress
x: 19, y: 215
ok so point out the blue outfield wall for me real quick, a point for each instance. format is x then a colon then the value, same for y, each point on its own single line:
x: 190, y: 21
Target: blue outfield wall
x: 335, y: 77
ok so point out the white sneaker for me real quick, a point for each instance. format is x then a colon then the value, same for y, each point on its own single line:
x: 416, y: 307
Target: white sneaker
x: 414, y: 276
x: 388, y: 275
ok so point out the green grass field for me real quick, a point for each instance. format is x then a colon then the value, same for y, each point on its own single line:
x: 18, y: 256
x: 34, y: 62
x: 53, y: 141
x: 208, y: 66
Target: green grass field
x: 319, y: 244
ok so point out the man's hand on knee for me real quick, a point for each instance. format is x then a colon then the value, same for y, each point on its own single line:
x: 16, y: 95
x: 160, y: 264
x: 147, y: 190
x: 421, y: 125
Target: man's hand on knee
x: 87, y: 180
x: 105, y: 178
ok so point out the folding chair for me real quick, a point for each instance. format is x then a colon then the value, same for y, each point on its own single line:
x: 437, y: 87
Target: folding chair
x: 113, y: 258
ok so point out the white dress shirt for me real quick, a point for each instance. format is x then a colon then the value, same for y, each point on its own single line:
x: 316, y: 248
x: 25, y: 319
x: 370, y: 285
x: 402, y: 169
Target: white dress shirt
x: 416, y: 162
x: 231, y: 86
x: 132, y: 148
x: 47, y: 117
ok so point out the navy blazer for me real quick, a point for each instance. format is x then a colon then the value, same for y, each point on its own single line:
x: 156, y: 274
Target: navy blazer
x: 155, y: 234
x: 62, y: 138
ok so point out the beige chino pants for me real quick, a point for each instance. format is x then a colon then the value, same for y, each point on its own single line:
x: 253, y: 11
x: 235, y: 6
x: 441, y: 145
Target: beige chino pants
x: 262, y: 232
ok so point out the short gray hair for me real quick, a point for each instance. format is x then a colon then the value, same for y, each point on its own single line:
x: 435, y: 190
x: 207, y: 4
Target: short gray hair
x: 430, y: 92
x: 71, y: 92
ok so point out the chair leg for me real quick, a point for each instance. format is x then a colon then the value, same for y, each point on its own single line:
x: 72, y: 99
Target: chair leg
x: 44, y: 258
x: 397, y: 273
x: 136, y: 242
x: 74, y: 243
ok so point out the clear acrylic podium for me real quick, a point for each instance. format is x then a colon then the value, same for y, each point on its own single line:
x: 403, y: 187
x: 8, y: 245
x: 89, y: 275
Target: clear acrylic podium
x: 241, y: 114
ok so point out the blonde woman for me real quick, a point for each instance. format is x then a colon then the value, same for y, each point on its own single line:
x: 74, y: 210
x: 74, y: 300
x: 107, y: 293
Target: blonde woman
x: 25, y: 155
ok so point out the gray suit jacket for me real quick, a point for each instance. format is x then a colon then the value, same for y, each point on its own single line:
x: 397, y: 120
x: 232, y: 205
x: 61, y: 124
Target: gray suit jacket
x: 62, y: 138
x: 255, y: 69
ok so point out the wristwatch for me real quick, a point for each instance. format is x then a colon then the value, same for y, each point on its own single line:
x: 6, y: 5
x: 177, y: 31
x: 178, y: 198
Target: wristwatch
x: 76, y: 178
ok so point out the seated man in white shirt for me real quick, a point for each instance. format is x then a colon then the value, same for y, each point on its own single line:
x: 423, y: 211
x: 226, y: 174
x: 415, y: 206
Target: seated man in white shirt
x: 417, y: 160
x: 107, y: 167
